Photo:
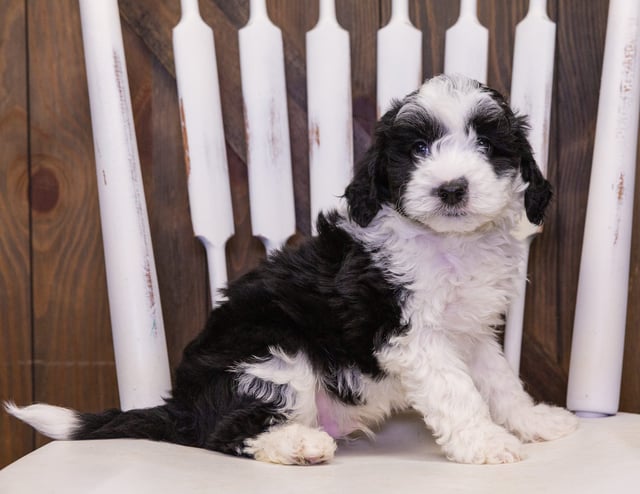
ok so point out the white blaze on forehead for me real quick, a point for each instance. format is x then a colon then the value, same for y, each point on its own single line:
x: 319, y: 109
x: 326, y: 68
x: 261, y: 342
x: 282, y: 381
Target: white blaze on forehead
x: 455, y: 100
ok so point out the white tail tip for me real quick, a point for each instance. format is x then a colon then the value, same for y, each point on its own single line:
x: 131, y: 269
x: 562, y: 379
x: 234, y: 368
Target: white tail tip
x: 54, y: 422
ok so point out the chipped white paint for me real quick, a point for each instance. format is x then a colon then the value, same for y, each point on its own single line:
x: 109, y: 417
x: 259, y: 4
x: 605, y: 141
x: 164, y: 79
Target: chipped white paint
x: 134, y: 301
x: 531, y: 90
x: 203, y: 137
x: 329, y: 110
x: 399, y: 46
x: 601, y: 307
x: 267, y: 128
x: 467, y: 44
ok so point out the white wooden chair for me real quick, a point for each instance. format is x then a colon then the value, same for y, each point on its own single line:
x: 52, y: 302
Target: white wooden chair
x: 602, y: 456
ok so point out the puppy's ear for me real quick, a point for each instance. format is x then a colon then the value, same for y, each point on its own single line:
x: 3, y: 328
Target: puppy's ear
x: 369, y: 188
x: 363, y: 194
x: 538, y: 193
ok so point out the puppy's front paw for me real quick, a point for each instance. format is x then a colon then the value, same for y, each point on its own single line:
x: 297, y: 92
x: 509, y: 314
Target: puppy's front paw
x: 542, y: 423
x: 486, y: 444
x: 292, y: 444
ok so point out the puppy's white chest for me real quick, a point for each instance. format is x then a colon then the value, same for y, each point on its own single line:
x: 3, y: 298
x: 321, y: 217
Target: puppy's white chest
x: 463, y: 286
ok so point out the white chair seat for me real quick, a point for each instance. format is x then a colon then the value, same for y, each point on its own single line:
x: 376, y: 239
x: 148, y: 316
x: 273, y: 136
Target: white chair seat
x: 603, y: 456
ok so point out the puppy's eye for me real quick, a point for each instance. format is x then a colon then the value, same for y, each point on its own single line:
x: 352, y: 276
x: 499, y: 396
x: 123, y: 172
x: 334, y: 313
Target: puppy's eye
x: 484, y: 145
x: 420, y: 149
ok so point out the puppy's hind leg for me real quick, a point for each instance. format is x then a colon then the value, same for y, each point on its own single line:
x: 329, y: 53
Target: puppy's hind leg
x: 291, y: 444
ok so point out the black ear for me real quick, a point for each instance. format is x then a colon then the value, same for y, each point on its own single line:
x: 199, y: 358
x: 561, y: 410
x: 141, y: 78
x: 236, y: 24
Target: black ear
x: 538, y: 193
x: 369, y: 188
x: 364, y: 193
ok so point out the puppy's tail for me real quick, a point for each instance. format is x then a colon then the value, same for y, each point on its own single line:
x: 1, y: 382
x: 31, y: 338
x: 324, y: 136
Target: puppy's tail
x: 62, y: 423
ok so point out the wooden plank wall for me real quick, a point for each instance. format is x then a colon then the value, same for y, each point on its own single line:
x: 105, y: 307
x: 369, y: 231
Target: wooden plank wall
x: 16, y: 371
x: 55, y: 344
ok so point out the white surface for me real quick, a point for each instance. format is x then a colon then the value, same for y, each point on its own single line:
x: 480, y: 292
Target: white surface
x: 203, y: 138
x: 601, y: 305
x: 602, y: 456
x: 267, y: 122
x: 134, y: 298
x: 467, y: 44
x: 531, y: 91
x: 399, y: 57
x: 329, y: 109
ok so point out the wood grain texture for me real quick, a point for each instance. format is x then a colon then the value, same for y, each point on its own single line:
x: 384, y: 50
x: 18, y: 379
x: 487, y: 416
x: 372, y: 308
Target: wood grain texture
x: 579, y: 49
x: 15, y: 297
x: 180, y: 259
x: 501, y: 17
x: 73, y: 363
x: 362, y: 20
x: 630, y: 392
x: 73, y: 354
x: 541, y: 366
x: 433, y: 18
x: 294, y: 19
x: 244, y: 251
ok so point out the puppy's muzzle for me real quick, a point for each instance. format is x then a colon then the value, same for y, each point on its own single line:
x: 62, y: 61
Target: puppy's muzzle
x: 454, y: 192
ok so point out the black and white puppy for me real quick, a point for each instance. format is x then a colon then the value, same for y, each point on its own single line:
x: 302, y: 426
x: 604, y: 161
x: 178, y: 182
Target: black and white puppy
x: 393, y: 305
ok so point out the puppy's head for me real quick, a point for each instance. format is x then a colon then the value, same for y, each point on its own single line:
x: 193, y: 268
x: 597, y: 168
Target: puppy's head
x: 452, y: 156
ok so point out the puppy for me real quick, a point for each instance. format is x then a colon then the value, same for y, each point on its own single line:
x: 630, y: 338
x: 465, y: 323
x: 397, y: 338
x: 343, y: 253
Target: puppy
x: 393, y: 305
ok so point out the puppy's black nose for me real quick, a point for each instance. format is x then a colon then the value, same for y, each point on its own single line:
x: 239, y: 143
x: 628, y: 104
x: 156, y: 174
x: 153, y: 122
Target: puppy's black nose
x: 453, y: 192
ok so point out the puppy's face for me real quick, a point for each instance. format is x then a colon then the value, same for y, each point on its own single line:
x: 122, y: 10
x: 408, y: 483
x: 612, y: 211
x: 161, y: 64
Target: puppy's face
x: 451, y: 156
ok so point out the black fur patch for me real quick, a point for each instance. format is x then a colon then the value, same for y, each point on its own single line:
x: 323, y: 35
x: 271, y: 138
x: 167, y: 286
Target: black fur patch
x: 326, y: 299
